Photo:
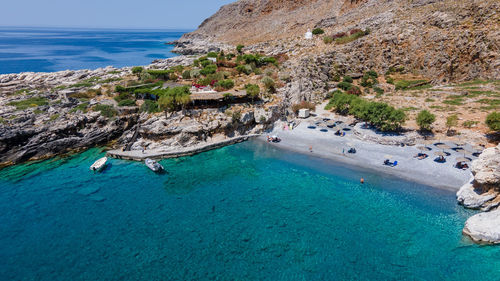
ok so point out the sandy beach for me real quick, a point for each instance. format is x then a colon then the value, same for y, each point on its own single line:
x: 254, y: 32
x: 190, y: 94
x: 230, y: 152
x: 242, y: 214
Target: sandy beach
x: 369, y: 155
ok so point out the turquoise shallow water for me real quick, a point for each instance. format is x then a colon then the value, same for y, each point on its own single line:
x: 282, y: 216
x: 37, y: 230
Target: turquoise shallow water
x: 245, y: 212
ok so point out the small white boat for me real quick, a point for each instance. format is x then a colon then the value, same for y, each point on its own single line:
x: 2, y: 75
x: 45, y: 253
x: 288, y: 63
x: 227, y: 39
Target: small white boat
x: 153, y: 165
x: 99, y: 164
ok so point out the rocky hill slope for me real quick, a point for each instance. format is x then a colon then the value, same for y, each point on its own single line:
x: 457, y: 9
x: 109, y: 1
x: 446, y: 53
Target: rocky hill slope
x: 444, y: 40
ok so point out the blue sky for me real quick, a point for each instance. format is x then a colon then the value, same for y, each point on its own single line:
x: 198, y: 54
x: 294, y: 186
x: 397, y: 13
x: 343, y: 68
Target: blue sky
x: 186, y: 14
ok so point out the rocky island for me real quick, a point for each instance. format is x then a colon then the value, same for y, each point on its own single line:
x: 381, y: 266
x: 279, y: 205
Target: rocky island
x: 424, y: 70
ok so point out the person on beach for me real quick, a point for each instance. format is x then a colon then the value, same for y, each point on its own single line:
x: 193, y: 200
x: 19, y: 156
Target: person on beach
x: 310, y: 148
x: 143, y: 150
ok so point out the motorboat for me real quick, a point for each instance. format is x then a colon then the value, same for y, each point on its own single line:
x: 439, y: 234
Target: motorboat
x: 153, y: 165
x: 99, y: 164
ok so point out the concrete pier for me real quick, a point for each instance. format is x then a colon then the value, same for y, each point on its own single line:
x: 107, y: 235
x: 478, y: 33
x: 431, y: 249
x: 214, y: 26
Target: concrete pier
x: 163, y: 153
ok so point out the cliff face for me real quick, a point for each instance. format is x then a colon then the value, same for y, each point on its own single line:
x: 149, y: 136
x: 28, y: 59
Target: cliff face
x: 444, y: 40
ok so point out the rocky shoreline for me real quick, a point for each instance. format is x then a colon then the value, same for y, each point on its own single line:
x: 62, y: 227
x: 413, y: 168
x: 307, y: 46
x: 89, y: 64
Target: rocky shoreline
x: 483, y: 193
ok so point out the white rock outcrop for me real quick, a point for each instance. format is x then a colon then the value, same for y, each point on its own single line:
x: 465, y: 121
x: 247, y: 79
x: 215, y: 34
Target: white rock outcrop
x: 475, y: 198
x: 483, y: 192
x: 484, y: 227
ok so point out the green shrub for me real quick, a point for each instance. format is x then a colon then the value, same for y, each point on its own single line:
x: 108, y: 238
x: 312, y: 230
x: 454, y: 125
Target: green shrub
x: 252, y: 90
x: 346, y: 86
x: 469, y: 124
x: 137, y: 70
x: 368, y: 81
x: 244, y: 69
x: 27, y: 103
x: 318, y: 31
x: 186, y: 74
x: 150, y: 106
x: 451, y: 121
x: 239, y: 48
x: 493, y: 121
x: 205, y: 62
x: 236, y: 116
x: 212, y: 55
x: 209, y: 69
x: 381, y: 115
x: 228, y: 96
x: 348, y: 79
x: 389, y: 80
x: 408, y: 84
x: 378, y: 90
x: 204, y: 81
x: 425, y: 120
x: 354, y: 90
x: 269, y: 83
x: 268, y: 60
x: 123, y: 96
x: 172, y: 99
x: 330, y: 95
x: 328, y: 39
x: 196, y: 63
x: 160, y: 74
x: 195, y: 73
x: 126, y: 102
x: 372, y: 73
x: 226, y: 84
x: 350, y: 38
x: 106, y: 110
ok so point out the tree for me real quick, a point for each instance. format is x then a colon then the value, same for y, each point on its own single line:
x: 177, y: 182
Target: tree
x: 318, y: 31
x: 252, y: 90
x: 183, y: 100
x: 239, y: 48
x: 137, y: 70
x: 425, y: 120
x: 451, y: 121
x: 493, y: 121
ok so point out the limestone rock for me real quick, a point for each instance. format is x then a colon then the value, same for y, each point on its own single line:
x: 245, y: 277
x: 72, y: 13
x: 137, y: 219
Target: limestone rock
x: 475, y: 198
x: 484, y: 227
x: 486, y: 169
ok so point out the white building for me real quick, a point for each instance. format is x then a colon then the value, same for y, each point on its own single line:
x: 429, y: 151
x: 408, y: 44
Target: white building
x: 304, y: 113
x: 309, y: 34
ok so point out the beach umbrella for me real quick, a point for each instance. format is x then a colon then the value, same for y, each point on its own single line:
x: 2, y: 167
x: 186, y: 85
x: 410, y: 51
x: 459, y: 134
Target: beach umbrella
x: 462, y: 159
x: 423, y: 148
x: 460, y: 149
x: 460, y: 143
x: 440, y: 153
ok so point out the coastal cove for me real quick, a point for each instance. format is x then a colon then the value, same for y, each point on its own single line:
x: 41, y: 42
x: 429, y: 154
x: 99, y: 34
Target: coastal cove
x: 247, y: 211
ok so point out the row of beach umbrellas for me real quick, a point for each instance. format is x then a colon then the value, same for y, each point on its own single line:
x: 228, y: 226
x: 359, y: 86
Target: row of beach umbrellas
x: 466, y: 153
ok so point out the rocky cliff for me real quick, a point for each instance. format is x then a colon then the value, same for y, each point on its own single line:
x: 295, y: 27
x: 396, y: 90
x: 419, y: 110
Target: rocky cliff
x: 444, y: 40
x: 483, y: 192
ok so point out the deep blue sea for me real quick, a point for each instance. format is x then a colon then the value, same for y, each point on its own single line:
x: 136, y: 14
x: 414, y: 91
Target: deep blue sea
x: 51, y: 49
x: 244, y: 212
